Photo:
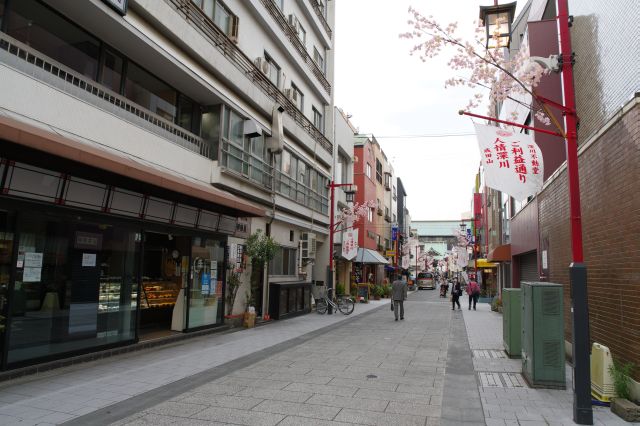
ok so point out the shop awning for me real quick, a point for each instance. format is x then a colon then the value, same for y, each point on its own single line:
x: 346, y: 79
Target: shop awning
x: 369, y: 256
x: 75, y: 148
x: 483, y: 263
x: 500, y: 254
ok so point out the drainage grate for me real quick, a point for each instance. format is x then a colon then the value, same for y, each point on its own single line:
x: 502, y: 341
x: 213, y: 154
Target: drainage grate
x: 501, y: 380
x: 371, y: 376
x: 488, y: 353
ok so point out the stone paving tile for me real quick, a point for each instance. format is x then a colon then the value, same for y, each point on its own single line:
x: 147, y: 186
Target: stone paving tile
x: 418, y: 409
x: 370, y: 418
x: 177, y: 409
x: 245, y: 403
x: 297, y: 421
x: 363, y: 384
x: 276, y: 395
x: 324, y: 389
x: 322, y: 412
x: 343, y: 402
x: 240, y: 417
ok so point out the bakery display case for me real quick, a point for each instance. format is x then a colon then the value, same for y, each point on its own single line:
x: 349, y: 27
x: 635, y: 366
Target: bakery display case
x: 158, y: 294
x: 109, y: 296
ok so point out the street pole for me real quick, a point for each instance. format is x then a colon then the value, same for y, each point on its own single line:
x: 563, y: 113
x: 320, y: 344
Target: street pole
x: 582, y: 410
x: 332, y: 191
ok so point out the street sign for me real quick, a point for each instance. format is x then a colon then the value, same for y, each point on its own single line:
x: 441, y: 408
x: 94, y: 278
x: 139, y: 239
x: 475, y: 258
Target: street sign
x: 391, y: 253
x: 350, y: 244
x: 394, y: 233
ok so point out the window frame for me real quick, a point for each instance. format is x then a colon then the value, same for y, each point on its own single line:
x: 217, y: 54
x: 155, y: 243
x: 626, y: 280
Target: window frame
x: 318, y: 119
x: 368, y: 170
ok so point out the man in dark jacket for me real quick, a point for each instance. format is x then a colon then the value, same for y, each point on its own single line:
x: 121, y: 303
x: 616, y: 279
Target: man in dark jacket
x: 456, y: 292
x: 398, y: 296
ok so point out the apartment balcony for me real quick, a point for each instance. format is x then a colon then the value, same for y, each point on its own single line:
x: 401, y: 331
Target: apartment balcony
x: 242, y: 67
x: 42, y: 91
x: 282, y: 22
x: 379, y: 210
x: 387, y: 218
x: 320, y: 14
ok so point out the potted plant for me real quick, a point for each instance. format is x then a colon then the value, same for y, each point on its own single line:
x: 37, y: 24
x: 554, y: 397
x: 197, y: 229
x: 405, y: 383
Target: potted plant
x: 260, y: 248
x: 377, y: 292
x: 340, y: 289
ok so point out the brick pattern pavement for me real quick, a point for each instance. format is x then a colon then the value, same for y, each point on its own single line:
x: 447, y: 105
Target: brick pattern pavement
x: 517, y: 405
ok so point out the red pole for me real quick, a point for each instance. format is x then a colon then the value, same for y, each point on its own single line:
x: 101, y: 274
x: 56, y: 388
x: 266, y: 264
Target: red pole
x: 511, y: 123
x: 332, y: 191
x: 582, y: 410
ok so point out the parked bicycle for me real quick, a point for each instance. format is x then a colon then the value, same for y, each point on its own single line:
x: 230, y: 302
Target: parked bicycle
x: 344, y: 304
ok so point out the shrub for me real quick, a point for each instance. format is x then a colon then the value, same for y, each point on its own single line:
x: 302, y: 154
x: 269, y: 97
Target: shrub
x: 387, y: 290
x: 378, y: 291
x: 339, y: 289
x: 621, y: 378
x: 496, y: 303
x: 354, y: 289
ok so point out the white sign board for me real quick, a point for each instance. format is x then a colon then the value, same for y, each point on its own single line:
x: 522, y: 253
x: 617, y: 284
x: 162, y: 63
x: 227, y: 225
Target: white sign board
x: 512, y: 161
x: 350, y: 244
x: 33, y: 260
x: 88, y: 259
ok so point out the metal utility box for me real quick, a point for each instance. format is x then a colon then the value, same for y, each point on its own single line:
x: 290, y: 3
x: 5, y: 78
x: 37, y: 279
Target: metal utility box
x: 512, y: 321
x: 543, y: 335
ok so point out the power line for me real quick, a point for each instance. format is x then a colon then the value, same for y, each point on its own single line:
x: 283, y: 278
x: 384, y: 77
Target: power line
x: 433, y: 135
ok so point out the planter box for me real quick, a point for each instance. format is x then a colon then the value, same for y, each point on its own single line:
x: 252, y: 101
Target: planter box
x: 626, y: 409
x: 234, y: 320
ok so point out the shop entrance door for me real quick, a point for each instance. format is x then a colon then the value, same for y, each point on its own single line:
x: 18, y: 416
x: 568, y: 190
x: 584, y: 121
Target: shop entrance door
x: 165, y: 281
x: 208, y: 275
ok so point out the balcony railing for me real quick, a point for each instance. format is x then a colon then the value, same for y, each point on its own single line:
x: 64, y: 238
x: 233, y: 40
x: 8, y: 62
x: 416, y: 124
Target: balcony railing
x: 219, y: 39
x: 282, y: 22
x: 320, y: 13
x: 37, y: 65
x: 240, y: 163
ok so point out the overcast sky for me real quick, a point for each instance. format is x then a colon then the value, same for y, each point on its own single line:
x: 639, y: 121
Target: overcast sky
x: 390, y: 93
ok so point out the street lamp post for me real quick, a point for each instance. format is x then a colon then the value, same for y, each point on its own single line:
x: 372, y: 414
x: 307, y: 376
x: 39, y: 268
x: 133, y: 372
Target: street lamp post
x: 332, y: 190
x: 582, y: 410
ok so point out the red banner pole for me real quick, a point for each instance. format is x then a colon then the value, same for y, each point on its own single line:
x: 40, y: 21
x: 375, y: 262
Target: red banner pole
x: 510, y: 123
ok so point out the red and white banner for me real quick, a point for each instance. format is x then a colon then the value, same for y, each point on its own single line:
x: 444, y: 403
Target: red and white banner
x: 405, y: 262
x: 350, y: 244
x: 512, y: 161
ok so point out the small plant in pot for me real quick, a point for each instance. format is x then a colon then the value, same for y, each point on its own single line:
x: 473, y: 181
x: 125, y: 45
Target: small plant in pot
x: 377, y: 292
x: 339, y: 289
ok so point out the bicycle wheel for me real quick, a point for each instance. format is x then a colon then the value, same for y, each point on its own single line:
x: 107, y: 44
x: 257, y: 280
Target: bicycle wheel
x: 346, y: 305
x: 321, y: 306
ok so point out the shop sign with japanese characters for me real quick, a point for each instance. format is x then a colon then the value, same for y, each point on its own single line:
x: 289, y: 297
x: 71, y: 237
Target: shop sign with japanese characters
x: 512, y: 161
x: 350, y: 244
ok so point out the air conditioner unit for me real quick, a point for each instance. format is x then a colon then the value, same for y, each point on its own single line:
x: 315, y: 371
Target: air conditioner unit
x: 601, y: 380
x: 308, y: 244
x: 293, y: 21
x: 262, y: 64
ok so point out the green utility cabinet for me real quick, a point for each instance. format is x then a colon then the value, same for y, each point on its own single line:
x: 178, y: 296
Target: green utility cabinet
x: 512, y: 321
x: 543, y: 335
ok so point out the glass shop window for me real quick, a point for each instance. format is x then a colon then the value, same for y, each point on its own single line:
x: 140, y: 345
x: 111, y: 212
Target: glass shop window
x: 41, y: 28
x: 150, y: 92
x: 75, y: 287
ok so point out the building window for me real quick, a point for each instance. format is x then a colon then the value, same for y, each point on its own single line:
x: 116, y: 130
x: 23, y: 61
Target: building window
x: 318, y: 59
x: 220, y: 14
x: 368, y: 171
x: 279, y: 3
x: 343, y: 169
x: 274, y: 70
x: 378, y: 171
x: 284, y: 262
x: 370, y: 215
x: 317, y: 120
x: 298, y: 97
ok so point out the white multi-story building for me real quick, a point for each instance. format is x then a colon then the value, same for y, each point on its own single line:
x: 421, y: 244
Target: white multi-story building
x: 136, y: 138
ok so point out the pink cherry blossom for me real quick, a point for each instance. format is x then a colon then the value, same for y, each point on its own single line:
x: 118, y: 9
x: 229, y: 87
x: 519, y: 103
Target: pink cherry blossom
x: 484, y: 67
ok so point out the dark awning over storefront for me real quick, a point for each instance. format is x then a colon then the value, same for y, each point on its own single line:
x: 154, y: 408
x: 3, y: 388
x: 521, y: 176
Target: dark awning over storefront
x: 500, y: 254
x: 95, y: 155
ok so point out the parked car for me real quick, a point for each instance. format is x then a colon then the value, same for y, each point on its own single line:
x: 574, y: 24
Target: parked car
x: 426, y: 280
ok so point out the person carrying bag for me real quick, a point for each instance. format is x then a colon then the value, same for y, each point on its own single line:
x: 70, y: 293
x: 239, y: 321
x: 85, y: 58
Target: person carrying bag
x: 473, y: 290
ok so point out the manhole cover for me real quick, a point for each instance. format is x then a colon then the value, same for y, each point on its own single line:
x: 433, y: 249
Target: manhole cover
x: 371, y: 376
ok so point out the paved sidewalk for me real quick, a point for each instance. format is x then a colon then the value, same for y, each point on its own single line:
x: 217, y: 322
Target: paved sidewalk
x: 369, y: 370
x: 506, y: 398
x: 64, y: 394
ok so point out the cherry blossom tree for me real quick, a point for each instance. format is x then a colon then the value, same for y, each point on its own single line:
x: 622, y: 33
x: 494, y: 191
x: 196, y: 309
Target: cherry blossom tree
x: 487, y: 68
x: 349, y: 215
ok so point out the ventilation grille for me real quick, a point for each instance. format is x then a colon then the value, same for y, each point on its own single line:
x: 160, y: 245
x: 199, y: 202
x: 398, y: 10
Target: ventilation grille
x: 551, y: 353
x: 550, y: 302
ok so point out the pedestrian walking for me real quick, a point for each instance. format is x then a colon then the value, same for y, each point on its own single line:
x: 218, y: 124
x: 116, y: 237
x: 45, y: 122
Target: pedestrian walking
x: 398, y: 296
x: 473, y: 290
x: 456, y: 292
